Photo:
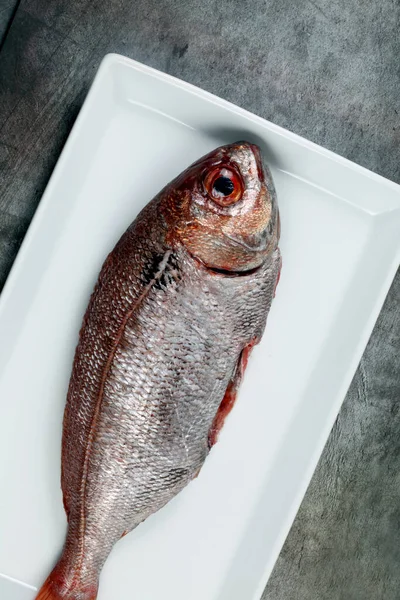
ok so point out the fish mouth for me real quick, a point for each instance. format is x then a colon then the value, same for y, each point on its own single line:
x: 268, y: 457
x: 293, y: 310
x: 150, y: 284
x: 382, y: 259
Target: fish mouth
x: 240, y: 242
x: 256, y: 152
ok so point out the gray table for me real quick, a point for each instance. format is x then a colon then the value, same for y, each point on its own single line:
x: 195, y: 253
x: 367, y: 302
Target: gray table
x: 328, y: 70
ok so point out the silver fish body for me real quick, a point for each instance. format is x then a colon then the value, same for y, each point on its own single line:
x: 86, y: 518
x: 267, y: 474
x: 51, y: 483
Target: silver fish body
x: 161, y: 341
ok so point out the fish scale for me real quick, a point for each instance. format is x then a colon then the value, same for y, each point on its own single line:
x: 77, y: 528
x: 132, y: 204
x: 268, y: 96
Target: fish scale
x: 178, y: 305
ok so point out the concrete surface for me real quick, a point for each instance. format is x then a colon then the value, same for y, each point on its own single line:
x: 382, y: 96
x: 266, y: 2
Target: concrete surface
x: 326, y: 69
x: 7, y: 11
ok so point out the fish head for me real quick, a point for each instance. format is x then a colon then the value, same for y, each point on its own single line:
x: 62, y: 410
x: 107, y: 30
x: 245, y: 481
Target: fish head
x: 223, y: 209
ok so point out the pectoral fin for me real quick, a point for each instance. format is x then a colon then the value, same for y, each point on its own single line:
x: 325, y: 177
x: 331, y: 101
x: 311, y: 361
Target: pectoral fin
x: 231, y: 393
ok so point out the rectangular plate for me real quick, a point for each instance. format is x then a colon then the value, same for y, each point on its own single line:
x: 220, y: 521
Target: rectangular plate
x: 219, y: 539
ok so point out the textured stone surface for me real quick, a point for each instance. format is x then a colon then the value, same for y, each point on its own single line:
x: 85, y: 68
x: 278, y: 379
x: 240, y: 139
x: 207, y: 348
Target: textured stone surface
x: 328, y: 70
x: 7, y: 11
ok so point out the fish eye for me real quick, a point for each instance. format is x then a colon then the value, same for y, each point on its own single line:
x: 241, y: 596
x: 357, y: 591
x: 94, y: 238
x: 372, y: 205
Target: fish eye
x: 223, y: 185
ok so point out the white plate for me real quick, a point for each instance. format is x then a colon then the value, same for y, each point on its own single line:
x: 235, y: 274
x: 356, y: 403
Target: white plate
x: 219, y: 539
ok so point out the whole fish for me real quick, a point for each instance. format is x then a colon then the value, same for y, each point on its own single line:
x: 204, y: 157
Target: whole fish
x: 178, y: 305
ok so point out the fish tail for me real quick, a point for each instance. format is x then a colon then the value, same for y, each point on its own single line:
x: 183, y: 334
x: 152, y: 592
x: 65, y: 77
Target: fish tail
x: 48, y: 591
x: 54, y: 588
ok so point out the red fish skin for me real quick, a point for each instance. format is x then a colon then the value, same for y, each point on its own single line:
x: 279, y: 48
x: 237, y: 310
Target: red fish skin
x: 178, y: 303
